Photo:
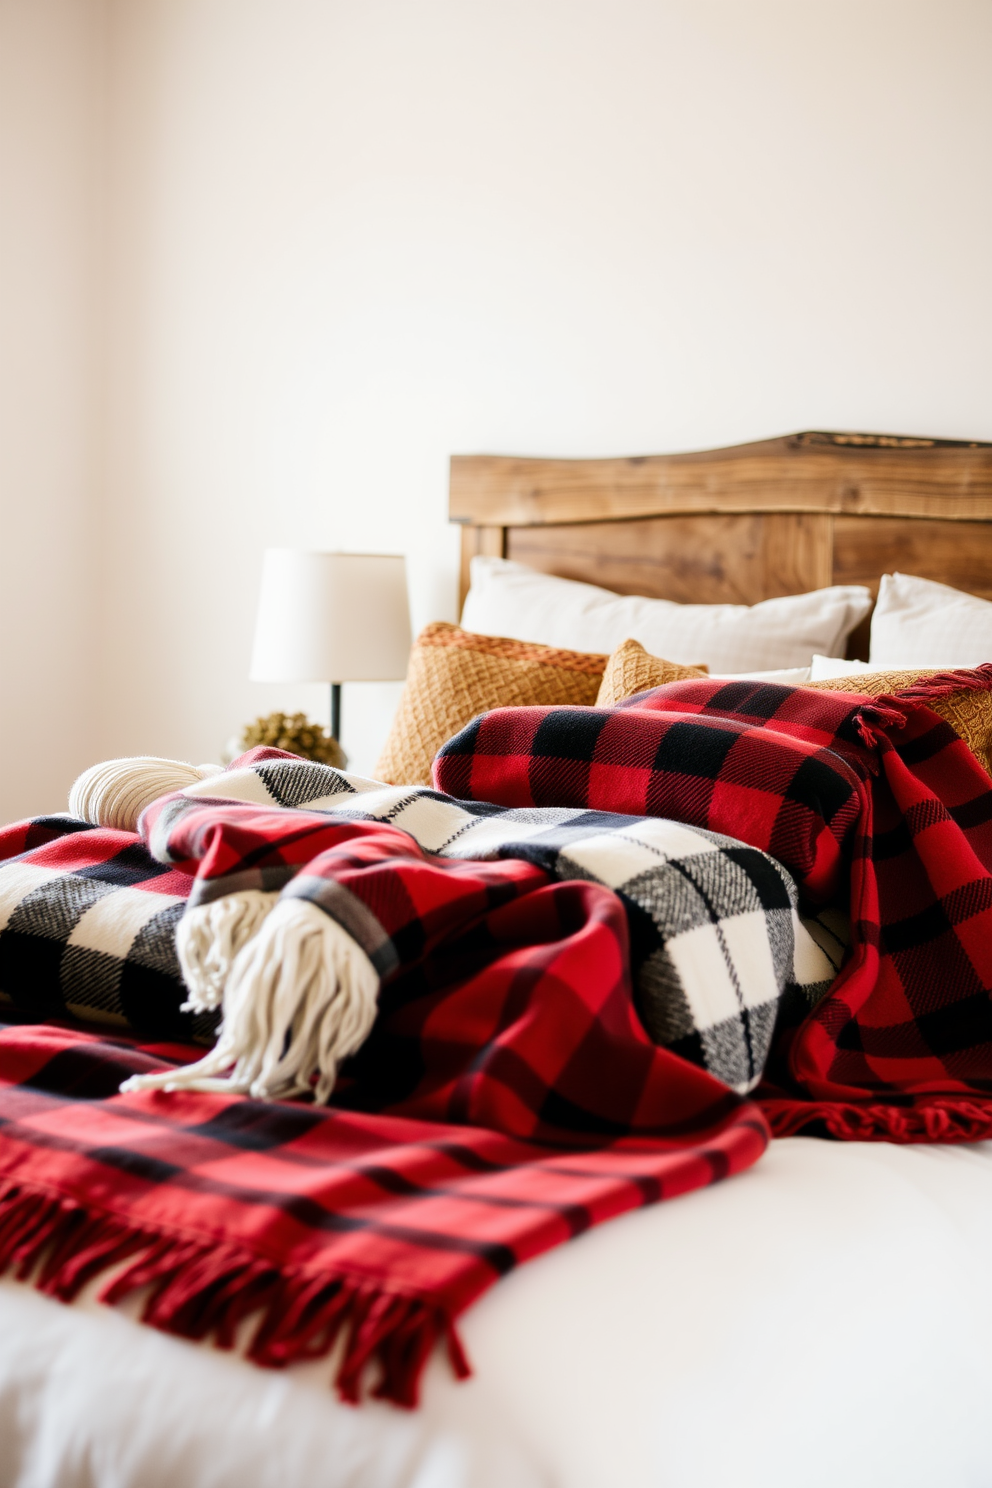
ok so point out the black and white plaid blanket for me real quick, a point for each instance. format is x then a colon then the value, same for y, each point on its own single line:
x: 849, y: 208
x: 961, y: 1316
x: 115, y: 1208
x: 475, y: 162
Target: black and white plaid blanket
x: 717, y: 942
x: 88, y: 916
x: 88, y: 930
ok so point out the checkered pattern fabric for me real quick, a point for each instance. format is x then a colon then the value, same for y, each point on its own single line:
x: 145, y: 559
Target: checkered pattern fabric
x: 379, y: 1222
x: 715, y: 938
x: 87, y: 929
x: 874, y: 799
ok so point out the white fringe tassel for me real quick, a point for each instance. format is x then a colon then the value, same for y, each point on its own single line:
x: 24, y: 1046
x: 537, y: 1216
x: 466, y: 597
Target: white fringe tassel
x: 115, y: 792
x: 209, y: 938
x: 300, y: 997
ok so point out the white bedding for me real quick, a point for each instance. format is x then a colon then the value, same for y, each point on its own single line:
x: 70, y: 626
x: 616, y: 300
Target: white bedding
x: 824, y: 1319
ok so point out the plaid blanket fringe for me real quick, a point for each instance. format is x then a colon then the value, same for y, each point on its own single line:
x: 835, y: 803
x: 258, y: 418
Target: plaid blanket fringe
x: 322, y: 1226
x: 716, y: 943
x: 198, y: 1290
x: 934, y: 1118
x: 507, y: 1099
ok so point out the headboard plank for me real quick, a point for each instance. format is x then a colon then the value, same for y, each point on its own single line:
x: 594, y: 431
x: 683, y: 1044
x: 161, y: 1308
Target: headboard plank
x: 955, y: 553
x: 743, y: 524
x: 693, y: 560
x: 858, y: 474
x: 489, y: 542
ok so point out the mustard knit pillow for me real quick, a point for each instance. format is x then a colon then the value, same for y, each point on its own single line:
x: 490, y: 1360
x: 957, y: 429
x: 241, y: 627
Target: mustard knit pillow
x: 454, y: 675
x: 632, y: 669
x: 968, y: 711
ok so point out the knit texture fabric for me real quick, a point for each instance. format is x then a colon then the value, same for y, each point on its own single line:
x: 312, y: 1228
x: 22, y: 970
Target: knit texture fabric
x: 631, y: 669
x: 967, y: 709
x: 454, y: 675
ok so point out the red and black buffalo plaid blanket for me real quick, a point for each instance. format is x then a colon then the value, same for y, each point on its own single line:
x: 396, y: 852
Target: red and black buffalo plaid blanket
x: 509, y: 1097
x: 509, y: 1100
x: 874, y: 802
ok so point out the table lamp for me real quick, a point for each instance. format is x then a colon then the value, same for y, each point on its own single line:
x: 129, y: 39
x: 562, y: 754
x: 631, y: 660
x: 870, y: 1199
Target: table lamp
x: 331, y: 617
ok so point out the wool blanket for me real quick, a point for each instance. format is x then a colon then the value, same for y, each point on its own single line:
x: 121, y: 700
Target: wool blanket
x: 509, y: 1052
x: 88, y: 930
x: 538, y: 1108
x: 507, y: 1097
x: 716, y: 943
x: 875, y: 802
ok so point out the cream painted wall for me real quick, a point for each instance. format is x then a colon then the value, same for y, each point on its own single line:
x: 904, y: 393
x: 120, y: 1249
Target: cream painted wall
x: 347, y: 239
x: 353, y: 238
x: 52, y: 89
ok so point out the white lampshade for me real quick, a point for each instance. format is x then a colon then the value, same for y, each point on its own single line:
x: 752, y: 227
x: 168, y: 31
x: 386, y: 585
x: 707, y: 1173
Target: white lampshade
x: 331, y: 617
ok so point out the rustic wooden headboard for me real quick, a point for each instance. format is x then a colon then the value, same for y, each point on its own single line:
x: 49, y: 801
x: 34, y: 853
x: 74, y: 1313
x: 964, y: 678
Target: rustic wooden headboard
x: 742, y: 524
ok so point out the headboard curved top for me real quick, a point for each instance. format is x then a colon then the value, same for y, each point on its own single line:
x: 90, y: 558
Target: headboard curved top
x: 740, y: 524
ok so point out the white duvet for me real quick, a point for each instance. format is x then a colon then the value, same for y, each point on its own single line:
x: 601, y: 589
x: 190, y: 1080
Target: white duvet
x: 824, y: 1319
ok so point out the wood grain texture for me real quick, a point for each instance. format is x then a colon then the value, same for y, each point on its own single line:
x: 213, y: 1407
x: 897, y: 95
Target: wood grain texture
x: 955, y: 553
x: 848, y: 474
x: 693, y: 560
x: 744, y: 524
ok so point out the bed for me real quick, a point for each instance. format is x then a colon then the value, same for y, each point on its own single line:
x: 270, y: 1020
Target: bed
x: 821, y: 1318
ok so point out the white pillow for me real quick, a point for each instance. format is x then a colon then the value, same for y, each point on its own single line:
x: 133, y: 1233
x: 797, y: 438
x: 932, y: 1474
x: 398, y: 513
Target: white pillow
x: 784, y: 676
x: 508, y: 599
x: 825, y: 668
x: 920, y: 623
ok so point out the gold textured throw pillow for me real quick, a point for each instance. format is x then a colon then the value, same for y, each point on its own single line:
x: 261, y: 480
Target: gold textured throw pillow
x: 454, y: 675
x: 968, y: 711
x: 631, y: 669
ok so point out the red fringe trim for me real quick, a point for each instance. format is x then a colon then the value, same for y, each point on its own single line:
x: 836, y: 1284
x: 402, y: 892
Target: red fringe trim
x: 976, y: 679
x: 935, y: 1119
x: 883, y: 710
x: 198, y: 1288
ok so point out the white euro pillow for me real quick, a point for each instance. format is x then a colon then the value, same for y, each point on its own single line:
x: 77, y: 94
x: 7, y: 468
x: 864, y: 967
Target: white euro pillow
x: 509, y: 599
x: 826, y: 668
x: 918, y: 622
